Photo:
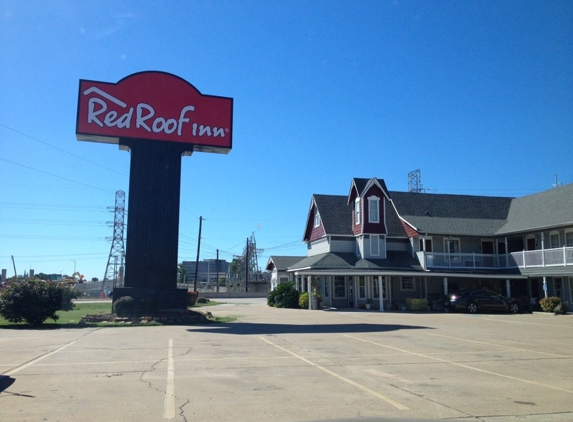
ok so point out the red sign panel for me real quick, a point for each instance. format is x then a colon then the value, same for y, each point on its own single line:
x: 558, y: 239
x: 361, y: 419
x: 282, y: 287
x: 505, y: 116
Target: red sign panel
x: 156, y: 106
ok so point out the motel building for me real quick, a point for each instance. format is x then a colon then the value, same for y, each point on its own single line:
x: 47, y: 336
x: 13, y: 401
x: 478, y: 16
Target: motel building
x: 379, y: 247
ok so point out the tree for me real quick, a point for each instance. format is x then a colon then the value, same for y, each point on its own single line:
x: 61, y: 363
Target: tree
x: 34, y: 301
x: 181, y: 273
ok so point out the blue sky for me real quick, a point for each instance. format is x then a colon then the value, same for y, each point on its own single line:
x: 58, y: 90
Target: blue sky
x: 478, y: 95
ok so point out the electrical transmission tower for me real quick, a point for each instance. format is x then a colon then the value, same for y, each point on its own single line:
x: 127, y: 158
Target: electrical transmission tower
x: 248, y: 263
x: 117, y: 251
x: 415, y: 182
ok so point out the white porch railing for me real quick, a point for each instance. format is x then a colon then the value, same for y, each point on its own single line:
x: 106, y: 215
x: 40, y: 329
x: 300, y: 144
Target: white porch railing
x: 558, y: 257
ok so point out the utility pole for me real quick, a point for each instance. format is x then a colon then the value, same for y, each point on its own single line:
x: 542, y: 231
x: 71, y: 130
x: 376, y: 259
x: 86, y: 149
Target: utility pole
x: 198, y: 249
x: 217, y: 268
x: 14, y: 264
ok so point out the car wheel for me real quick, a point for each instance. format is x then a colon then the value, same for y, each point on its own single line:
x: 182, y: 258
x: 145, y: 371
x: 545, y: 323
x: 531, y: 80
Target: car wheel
x: 472, y: 308
x: 513, y: 308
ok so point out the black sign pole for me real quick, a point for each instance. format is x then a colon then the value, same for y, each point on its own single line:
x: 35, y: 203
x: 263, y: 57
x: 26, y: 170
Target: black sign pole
x: 153, y: 223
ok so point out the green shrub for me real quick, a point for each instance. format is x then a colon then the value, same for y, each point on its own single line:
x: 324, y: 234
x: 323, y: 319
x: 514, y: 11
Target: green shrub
x: 202, y: 300
x: 416, y: 304
x: 283, y: 296
x: 303, y: 300
x: 548, y: 304
x: 561, y: 309
x: 34, y: 301
x: 124, y: 306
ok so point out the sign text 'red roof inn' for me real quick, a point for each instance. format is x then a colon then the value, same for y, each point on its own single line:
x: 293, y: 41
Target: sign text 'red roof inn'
x: 156, y: 106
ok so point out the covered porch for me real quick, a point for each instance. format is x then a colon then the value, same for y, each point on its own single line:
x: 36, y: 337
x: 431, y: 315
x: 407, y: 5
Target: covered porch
x: 391, y: 290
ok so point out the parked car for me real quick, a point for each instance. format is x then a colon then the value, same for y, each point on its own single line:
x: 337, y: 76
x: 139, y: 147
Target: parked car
x: 477, y: 300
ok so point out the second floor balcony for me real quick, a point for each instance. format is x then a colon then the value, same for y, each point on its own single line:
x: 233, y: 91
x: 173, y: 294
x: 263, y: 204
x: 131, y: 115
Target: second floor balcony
x: 557, y: 257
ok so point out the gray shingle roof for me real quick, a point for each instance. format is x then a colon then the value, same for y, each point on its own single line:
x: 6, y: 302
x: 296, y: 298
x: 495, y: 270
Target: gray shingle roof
x: 283, y: 262
x: 464, y: 215
x: 398, y: 261
x: 547, y: 209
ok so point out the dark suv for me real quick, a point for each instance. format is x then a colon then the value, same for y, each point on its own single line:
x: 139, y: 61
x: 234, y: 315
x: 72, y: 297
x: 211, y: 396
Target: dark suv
x: 477, y: 300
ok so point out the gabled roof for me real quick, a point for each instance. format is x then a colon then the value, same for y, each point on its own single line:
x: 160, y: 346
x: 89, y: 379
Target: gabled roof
x: 362, y: 185
x: 281, y: 263
x: 485, y: 215
x: 452, y: 214
x: 543, y: 210
x: 335, y: 214
x: 398, y: 261
x: 447, y: 214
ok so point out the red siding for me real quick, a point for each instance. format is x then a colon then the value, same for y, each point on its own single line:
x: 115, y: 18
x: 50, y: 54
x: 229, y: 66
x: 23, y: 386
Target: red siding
x: 374, y: 228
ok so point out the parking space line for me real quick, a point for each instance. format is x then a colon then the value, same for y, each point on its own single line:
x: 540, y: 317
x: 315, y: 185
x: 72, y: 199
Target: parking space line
x: 340, y: 377
x: 169, y: 403
x: 461, y: 365
x: 501, y: 345
x: 38, y: 359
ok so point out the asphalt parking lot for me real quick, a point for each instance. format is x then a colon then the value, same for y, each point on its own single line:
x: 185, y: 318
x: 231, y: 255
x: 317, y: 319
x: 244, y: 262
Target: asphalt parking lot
x: 295, y: 365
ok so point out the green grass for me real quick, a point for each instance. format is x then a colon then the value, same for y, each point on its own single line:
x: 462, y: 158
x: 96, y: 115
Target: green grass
x: 70, y: 319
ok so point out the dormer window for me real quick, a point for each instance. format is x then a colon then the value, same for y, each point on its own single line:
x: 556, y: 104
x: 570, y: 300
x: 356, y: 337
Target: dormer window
x: 316, y: 219
x: 373, y: 209
x: 357, y: 211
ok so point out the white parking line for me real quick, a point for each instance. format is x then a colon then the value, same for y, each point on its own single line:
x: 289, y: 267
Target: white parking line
x: 462, y: 365
x: 329, y: 372
x: 169, y: 403
x: 500, y: 345
x: 38, y: 359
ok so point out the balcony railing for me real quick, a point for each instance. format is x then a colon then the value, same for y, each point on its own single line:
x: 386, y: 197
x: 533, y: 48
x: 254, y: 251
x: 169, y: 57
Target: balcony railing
x: 558, y: 257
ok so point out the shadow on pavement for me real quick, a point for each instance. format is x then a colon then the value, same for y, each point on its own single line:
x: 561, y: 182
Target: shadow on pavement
x: 246, y: 328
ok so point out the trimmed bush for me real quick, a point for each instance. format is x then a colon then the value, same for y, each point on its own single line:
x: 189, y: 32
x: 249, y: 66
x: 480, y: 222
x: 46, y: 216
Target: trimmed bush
x: 548, y: 304
x: 124, y: 306
x: 35, y: 301
x: 553, y: 304
x: 202, y: 300
x: 416, y: 304
x: 283, y: 296
x: 303, y: 300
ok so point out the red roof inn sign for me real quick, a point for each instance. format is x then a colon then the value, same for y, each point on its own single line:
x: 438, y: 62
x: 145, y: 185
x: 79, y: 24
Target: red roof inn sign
x: 158, y: 117
x: 156, y: 106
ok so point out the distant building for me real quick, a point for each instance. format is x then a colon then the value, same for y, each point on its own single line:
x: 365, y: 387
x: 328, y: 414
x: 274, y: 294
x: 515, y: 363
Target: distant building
x: 207, y: 270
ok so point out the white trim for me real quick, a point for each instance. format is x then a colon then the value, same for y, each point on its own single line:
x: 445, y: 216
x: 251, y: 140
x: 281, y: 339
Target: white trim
x: 371, y: 200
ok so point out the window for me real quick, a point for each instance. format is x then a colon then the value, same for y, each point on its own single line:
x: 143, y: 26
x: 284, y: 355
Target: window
x: 452, y: 245
x: 428, y: 242
x: 569, y: 238
x: 554, y: 239
x: 357, y: 211
x: 339, y: 287
x: 374, y: 245
x: 316, y: 219
x: 558, y: 287
x: 407, y: 283
x: 361, y: 288
x: 373, y: 209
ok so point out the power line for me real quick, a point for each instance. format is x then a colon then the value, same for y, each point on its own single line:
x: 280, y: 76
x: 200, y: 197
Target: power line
x: 54, y: 175
x: 60, y: 149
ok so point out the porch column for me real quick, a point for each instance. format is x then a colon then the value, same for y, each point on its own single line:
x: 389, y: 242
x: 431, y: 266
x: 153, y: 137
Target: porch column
x: 507, y: 288
x: 330, y: 289
x: 309, y: 290
x: 381, y: 293
x: 445, y: 285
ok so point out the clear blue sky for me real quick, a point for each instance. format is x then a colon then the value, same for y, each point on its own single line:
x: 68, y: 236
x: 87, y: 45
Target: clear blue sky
x: 476, y: 94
